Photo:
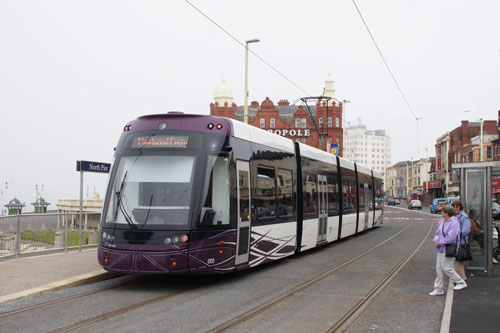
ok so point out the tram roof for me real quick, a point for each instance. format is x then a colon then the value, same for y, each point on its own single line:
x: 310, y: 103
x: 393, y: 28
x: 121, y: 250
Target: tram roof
x: 314, y: 153
x: 257, y: 135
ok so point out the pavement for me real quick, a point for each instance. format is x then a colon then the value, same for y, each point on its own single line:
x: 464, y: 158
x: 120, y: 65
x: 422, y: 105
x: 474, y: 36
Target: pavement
x: 473, y: 309
x: 34, y: 275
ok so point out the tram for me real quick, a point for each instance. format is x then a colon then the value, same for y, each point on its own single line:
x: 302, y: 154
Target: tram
x: 200, y: 194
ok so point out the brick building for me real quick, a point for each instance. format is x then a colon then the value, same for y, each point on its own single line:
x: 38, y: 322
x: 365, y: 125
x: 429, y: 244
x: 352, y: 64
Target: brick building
x: 291, y: 121
x: 459, y: 146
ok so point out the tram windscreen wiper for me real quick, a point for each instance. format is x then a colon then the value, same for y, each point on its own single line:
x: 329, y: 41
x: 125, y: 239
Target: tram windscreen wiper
x: 149, y: 210
x: 119, y: 204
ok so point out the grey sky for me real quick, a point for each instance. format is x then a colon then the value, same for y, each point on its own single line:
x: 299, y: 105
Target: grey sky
x: 72, y: 73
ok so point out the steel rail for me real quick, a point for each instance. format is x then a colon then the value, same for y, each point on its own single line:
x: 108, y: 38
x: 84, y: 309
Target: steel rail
x: 117, y: 312
x: 267, y: 305
x: 64, y: 299
x: 360, y: 306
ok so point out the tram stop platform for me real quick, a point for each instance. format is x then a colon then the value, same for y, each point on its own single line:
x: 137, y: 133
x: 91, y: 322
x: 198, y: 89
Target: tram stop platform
x: 473, y: 309
x: 37, y: 274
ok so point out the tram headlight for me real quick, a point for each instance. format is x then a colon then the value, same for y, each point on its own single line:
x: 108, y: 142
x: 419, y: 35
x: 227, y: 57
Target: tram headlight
x: 176, y: 239
x: 167, y: 241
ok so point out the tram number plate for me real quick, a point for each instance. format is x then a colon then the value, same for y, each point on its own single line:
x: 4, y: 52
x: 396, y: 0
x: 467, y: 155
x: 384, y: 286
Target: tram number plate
x: 211, y: 261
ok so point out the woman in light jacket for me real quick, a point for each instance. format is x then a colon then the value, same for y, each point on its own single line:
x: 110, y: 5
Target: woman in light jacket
x: 448, y: 232
x: 465, y: 226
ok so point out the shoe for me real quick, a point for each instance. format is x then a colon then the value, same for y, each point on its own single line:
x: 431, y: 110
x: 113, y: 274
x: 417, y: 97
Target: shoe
x: 436, y: 293
x: 460, y: 286
x: 495, y: 261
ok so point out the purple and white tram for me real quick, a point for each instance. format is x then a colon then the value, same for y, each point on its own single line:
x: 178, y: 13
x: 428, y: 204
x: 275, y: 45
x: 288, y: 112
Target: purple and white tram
x: 205, y: 195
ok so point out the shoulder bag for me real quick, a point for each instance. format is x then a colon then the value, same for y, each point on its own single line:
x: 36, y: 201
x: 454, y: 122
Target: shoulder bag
x: 451, y: 249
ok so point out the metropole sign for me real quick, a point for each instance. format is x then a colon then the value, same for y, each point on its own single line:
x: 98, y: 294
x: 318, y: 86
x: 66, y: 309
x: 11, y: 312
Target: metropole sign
x: 87, y: 166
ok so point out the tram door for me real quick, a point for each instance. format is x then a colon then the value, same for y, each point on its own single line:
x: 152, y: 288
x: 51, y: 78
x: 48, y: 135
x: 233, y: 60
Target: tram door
x: 243, y: 225
x: 366, y: 201
x: 322, y: 208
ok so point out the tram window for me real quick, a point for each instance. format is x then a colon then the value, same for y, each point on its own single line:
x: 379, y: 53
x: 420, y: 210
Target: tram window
x: 310, y: 194
x: 362, y: 197
x: 243, y: 194
x: 265, y: 193
x: 349, y: 190
x: 379, y: 195
x: 370, y: 196
x: 215, y: 210
x: 285, y: 192
x: 333, y: 196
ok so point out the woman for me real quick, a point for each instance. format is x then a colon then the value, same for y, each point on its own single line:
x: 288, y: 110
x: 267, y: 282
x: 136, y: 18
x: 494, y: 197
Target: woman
x: 477, y: 232
x: 448, y: 232
x: 465, y: 226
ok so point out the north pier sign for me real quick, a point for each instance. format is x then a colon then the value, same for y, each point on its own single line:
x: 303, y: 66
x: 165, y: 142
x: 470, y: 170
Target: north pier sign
x: 88, y: 166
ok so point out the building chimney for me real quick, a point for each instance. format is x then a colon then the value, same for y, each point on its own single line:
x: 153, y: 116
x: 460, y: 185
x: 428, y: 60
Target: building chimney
x: 465, y: 132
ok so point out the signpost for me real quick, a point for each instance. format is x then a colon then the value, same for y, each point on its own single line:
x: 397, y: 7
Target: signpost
x: 87, y: 166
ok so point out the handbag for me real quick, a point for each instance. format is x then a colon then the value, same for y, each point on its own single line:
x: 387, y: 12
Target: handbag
x: 464, y: 253
x: 451, y: 249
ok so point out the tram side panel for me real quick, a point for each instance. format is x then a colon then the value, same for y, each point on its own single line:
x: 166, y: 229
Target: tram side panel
x: 349, y: 201
x: 379, y: 201
x: 365, y: 197
x: 274, y: 211
x: 320, y: 203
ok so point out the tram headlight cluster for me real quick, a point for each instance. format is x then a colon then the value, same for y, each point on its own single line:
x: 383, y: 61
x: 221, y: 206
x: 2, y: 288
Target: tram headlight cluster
x: 174, y: 240
x: 107, y: 237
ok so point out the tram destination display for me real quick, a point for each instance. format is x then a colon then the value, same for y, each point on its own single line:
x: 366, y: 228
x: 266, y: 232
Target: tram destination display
x: 161, y: 141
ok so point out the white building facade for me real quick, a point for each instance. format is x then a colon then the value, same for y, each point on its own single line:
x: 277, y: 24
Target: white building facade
x: 370, y: 148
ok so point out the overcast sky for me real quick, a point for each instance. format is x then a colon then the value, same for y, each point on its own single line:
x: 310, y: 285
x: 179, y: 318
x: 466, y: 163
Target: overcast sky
x: 73, y: 73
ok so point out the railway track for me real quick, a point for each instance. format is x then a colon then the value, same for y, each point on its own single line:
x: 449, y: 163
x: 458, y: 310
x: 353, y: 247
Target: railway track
x: 256, y: 311
x: 351, y: 313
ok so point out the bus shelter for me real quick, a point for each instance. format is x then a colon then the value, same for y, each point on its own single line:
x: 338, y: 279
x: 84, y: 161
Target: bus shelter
x: 477, y: 195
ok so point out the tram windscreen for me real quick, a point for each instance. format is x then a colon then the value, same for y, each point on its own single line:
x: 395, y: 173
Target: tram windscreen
x: 151, y: 190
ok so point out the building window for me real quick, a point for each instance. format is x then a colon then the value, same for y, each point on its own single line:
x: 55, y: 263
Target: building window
x: 338, y: 141
x: 337, y: 122
x: 329, y: 121
x: 272, y: 122
x: 488, y: 152
x: 262, y: 122
x: 304, y: 122
x: 297, y: 122
x: 320, y: 122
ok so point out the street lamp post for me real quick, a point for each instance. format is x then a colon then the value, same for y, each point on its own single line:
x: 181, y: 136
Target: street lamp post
x: 245, y: 109
x: 344, y: 102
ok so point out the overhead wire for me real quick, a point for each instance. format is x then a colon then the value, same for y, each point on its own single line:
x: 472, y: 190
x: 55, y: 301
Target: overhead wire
x: 385, y: 62
x: 252, y: 52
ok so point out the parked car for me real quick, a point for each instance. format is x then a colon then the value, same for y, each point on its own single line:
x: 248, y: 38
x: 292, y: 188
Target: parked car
x: 438, y: 204
x: 392, y: 202
x: 495, y: 210
x: 415, y: 204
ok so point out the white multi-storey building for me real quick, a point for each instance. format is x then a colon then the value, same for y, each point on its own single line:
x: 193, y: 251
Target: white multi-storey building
x: 369, y: 148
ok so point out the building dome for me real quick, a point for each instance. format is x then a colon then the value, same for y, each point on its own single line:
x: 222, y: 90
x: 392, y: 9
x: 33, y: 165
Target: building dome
x: 223, y: 93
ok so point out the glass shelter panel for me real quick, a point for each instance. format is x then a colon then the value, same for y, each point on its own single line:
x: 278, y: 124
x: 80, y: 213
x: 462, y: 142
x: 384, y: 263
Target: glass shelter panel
x: 475, y: 205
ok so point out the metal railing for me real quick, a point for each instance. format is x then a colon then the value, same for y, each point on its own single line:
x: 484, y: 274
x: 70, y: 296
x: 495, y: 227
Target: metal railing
x: 31, y: 233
